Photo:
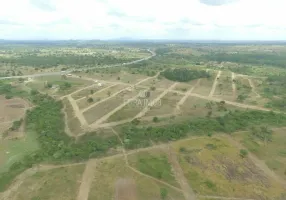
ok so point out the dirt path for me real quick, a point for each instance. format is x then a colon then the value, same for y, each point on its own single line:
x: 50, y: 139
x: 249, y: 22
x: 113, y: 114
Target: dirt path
x: 67, y: 130
x: 101, y: 90
x: 146, y: 108
x: 233, y: 85
x: 215, y: 84
x: 253, y: 87
x: 86, y: 181
x: 179, y: 175
x: 232, y: 103
x: 105, y: 117
x: 7, y: 195
x: 222, y: 198
x: 77, y: 112
x: 103, y: 100
x: 259, y: 163
x: 113, y: 95
x: 137, y: 171
x: 184, y: 98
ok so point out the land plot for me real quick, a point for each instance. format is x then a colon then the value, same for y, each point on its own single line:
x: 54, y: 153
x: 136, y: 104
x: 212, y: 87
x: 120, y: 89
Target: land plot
x: 224, y: 87
x: 184, y: 87
x: 110, y: 176
x: 272, y: 152
x: 55, y: 184
x: 58, y: 85
x: 205, y: 85
x: 166, y: 105
x: 213, y: 167
x: 107, y: 106
x: 154, y: 163
x: 157, y: 83
x: 135, y: 106
x: 98, y: 96
x: 89, y: 91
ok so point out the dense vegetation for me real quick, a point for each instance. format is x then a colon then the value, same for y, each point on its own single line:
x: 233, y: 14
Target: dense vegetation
x: 138, y: 137
x: 184, y: 75
x: 71, y: 60
x: 249, y: 58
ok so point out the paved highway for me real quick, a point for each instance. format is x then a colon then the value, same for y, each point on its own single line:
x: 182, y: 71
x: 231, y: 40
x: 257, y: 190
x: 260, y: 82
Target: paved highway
x: 67, y: 72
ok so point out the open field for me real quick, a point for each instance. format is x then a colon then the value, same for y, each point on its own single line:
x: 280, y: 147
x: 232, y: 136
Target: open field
x: 123, y: 76
x: 12, y: 151
x: 166, y: 105
x: 184, y: 87
x: 214, y: 167
x: 157, y: 83
x: 58, y: 85
x: 224, y: 87
x: 154, y: 163
x: 196, y: 107
x: 55, y: 184
x: 107, y: 106
x: 99, y: 95
x: 205, y: 86
x: 135, y: 106
x: 272, y: 153
x: 89, y: 90
x: 11, y: 110
x: 110, y: 173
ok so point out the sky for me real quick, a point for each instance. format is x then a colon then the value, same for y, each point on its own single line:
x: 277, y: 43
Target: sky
x: 143, y: 19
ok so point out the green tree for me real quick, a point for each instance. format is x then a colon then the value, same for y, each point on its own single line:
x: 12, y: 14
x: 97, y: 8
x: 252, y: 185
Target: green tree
x: 243, y: 153
x: 164, y: 193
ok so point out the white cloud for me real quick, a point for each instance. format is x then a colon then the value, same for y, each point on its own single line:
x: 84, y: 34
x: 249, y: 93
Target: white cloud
x: 174, y: 19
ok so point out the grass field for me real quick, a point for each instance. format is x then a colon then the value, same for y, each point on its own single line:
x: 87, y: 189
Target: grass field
x: 12, y: 151
x: 89, y: 91
x: 100, y: 95
x: 214, y: 167
x: 166, y: 105
x: 224, y: 87
x: 134, y: 107
x: 58, y: 85
x: 55, y: 184
x: 157, y: 83
x: 273, y: 153
x: 154, y: 163
x: 107, y: 106
x: 107, y: 179
x: 205, y: 86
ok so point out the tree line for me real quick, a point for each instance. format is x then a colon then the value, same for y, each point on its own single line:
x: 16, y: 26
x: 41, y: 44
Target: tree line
x: 184, y: 75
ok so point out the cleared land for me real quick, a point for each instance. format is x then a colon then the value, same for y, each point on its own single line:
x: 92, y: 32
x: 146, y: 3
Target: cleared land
x: 58, y: 85
x: 55, y: 184
x: 273, y: 153
x: 107, y: 106
x: 214, y: 167
x: 110, y: 173
x: 166, y: 105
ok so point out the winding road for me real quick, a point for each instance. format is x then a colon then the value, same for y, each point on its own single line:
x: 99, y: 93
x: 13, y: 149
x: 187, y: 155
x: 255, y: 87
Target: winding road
x: 153, y: 54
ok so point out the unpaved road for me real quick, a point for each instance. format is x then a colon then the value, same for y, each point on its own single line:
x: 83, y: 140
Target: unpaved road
x: 253, y: 87
x: 184, y: 98
x: 77, y: 112
x: 86, y: 181
x: 179, y: 175
x: 215, y: 84
x: 105, y: 117
x: 233, y: 85
x: 153, y: 54
x: 146, y: 108
x: 113, y: 95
